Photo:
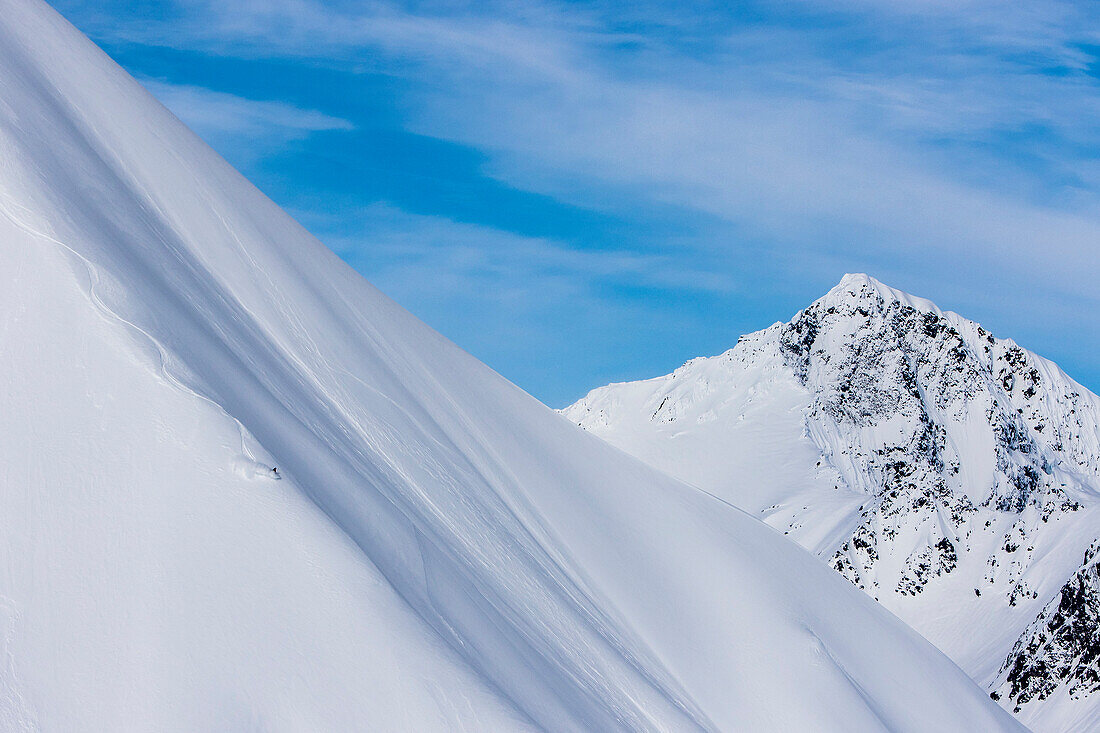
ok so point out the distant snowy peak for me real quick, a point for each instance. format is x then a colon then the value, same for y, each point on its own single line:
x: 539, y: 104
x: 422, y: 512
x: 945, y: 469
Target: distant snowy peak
x: 950, y: 474
x: 866, y: 350
x: 881, y: 361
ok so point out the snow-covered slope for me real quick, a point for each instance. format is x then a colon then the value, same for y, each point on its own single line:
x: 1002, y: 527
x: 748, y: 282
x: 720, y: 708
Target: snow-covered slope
x: 437, y: 550
x: 952, y: 475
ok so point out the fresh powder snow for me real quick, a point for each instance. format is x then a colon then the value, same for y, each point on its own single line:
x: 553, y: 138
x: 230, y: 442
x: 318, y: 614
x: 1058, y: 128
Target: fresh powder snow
x: 442, y: 551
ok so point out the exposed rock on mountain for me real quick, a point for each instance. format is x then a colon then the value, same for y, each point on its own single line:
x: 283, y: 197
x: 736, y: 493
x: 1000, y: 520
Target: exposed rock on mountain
x: 1059, y: 653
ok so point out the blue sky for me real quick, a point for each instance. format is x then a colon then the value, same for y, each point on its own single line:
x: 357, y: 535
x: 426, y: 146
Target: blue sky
x: 580, y: 193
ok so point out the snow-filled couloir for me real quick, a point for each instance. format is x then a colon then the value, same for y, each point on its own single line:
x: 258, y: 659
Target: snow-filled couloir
x: 951, y: 475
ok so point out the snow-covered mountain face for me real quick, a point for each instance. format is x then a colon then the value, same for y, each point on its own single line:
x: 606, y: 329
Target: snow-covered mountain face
x: 436, y: 551
x: 951, y: 475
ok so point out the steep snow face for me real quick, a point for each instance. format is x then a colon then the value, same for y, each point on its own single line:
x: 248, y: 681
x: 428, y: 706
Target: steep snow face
x: 951, y: 475
x: 436, y: 551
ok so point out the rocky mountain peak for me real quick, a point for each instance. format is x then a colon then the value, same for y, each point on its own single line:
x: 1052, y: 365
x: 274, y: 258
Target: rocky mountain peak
x: 953, y: 469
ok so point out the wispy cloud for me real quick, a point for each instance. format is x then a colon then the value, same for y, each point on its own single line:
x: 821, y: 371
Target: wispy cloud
x: 456, y: 261
x: 231, y: 120
x: 870, y: 121
x: 523, y: 304
x: 905, y: 157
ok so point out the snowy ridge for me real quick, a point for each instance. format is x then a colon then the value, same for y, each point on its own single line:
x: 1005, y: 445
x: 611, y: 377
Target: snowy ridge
x: 951, y: 475
x: 442, y: 552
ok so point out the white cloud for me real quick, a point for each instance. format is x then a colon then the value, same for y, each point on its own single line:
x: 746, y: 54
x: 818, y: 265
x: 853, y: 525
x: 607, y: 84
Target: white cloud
x: 776, y: 129
x: 236, y: 123
x: 403, y: 251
